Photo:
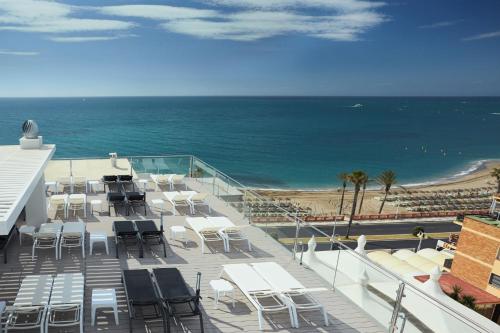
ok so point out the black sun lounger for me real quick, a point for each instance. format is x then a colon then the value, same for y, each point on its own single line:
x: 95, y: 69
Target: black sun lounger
x: 126, y: 182
x: 115, y: 199
x: 176, y: 296
x: 109, y: 180
x: 136, y: 199
x: 126, y: 233
x: 149, y: 231
x: 142, y: 297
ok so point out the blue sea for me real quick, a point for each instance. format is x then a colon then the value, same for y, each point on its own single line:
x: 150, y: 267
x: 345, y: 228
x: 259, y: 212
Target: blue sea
x: 275, y: 142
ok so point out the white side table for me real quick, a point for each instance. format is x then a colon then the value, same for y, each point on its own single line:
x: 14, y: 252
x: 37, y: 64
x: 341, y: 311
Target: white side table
x: 98, y: 237
x: 92, y: 184
x: 158, y: 204
x: 144, y: 183
x: 25, y: 230
x: 104, y: 298
x: 93, y: 204
x: 221, y: 288
x: 178, y: 231
x: 50, y: 184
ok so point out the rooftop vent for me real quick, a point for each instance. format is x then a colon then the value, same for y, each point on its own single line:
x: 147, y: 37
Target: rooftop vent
x: 30, y: 139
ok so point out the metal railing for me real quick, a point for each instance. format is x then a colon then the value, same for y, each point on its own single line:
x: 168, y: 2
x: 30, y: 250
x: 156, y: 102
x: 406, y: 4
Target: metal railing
x: 224, y: 186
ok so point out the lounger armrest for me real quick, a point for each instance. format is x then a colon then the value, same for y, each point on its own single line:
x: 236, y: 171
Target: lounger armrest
x: 180, y: 300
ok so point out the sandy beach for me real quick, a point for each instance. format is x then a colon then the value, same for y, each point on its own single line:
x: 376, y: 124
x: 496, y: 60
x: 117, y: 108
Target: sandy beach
x: 327, y: 202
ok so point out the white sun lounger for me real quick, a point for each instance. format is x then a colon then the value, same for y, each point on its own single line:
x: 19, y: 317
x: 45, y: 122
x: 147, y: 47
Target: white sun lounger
x: 161, y: 180
x: 177, y: 199
x: 228, y: 231
x: 257, y: 290
x: 205, y: 231
x: 47, y: 237
x: 176, y: 180
x: 73, y: 235
x: 197, y: 199
x: 66, y: 298
x: 285, y: 283
x: 31, y: 303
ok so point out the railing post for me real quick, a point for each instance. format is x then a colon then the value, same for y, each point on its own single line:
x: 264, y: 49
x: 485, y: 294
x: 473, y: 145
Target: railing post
x: 393, y: 328
x: 297, y: 230
x: 191, y: 166
x: 213, y: 182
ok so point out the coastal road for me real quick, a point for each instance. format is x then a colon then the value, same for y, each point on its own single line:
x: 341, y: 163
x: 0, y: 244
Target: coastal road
x: 366, y: 229
x: 287, y: 233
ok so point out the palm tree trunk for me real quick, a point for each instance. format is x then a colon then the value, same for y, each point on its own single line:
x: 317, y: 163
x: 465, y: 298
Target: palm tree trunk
x: 353, y: 211
x: 362, y: 198
x: 383, y: 202
x: 342, y: 201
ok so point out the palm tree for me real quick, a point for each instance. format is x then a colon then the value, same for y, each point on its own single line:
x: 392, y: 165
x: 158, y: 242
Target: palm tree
x: 363, y: 194
x: 356, y: 178
x: 344, y: 177
x: 495, y: 173
x: 387, y: 179
x: 469, y: 301
x: 456, y: 290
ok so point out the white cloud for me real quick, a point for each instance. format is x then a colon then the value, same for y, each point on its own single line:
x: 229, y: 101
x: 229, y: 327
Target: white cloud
x: 343, y: 5
x: 19, y: 53
x: 344, y: 21
x: 83, y: 39
x: 253, y: 25
x: 51, y: 17
x: 441, y: 24
x: 243, y: 20
x: 493, y: 34
x: 157, y: 12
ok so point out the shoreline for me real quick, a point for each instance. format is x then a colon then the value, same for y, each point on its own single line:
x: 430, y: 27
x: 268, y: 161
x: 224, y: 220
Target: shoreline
x: 477, y: 169
x: 327, y: 201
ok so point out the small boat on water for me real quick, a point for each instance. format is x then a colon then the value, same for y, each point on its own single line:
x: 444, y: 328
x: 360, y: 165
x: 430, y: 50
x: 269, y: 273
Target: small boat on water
x: 357, y: 106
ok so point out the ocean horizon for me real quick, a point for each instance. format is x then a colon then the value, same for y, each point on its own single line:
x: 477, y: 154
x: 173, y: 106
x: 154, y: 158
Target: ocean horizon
x: 274, y: 142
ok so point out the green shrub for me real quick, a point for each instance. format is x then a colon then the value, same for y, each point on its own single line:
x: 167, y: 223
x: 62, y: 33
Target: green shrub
x: 416, y: 230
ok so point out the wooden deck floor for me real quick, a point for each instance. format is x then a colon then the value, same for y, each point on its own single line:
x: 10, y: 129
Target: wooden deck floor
x: 104, y: 271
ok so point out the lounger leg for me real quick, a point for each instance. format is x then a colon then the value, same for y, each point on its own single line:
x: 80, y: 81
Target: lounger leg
x: 115, y: 311
x: 164, y: 247
x: 33, y: 251
x: 216, y: 298
x: 325, y: 316
x: 116, y: 246
x: 106, y: 244
x: 92, y: 315
x: 294, y: 317
x: 201, y: 322
x: 259, y: 316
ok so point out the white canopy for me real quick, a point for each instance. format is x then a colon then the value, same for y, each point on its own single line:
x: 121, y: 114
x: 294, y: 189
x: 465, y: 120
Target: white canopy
x: 20, y: 172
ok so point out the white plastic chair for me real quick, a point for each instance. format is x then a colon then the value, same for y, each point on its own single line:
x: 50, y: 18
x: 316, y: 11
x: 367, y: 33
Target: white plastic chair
x: 77, y: 202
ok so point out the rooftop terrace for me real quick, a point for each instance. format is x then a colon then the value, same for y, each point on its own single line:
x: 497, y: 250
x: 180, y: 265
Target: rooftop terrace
x: 353, y: 303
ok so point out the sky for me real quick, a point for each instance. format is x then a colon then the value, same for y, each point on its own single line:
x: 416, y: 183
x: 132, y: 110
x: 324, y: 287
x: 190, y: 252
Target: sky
x: 249, y: 47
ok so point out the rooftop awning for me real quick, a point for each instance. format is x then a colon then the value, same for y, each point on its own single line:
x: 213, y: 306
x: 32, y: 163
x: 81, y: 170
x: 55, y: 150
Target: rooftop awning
x: 20, y: 172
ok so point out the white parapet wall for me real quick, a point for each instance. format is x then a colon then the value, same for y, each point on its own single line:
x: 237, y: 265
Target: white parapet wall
x: 374, y: 289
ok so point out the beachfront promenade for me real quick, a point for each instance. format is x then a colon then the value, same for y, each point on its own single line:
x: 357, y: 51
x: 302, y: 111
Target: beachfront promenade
x: 104, y: 271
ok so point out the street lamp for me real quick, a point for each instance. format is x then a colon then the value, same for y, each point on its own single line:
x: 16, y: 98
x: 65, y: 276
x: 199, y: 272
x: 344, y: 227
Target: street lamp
x: 421, y: 236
